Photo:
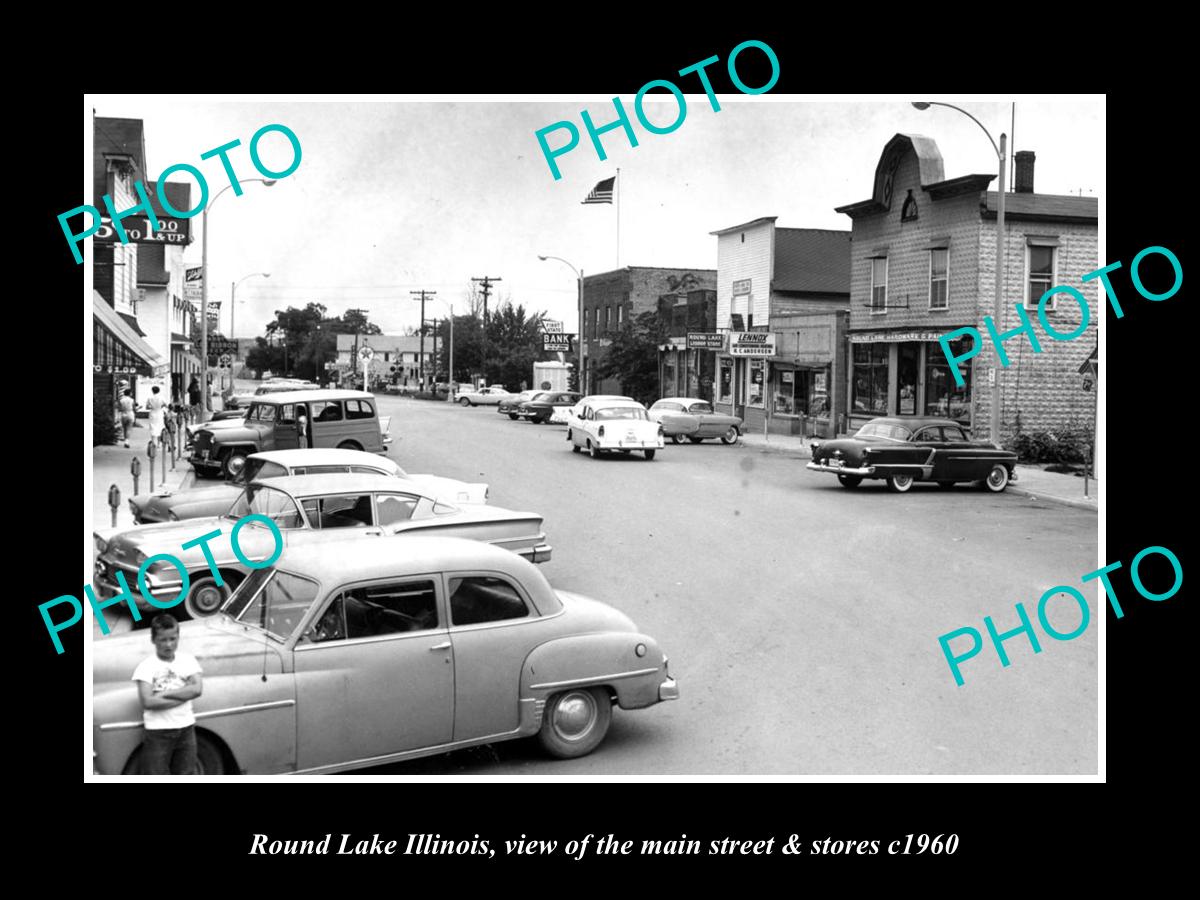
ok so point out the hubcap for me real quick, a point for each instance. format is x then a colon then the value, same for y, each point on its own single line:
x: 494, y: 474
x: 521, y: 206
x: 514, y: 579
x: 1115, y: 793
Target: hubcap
x: 997, y: 477
x: 208, y: 599
x: 574, y: 716
x: 903, y: 481
x: 236, y: 464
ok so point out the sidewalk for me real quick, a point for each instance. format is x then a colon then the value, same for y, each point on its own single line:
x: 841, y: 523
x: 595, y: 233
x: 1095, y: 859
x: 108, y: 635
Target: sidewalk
x: 1032, y: 481
x: 110, y: 465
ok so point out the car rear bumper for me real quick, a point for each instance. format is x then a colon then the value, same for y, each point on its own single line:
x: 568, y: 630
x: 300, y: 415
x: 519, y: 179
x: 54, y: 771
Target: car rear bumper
x: 668, y: 690
x: 864, y: 472
x: 539, y: 553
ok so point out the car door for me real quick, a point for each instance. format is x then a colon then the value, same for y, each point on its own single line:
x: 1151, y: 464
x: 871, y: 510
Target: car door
x: 361, y: 425
x: 374, y: 673
x: 287, y: 434
x: 493, y: 628
x: 325, y: 422
x: 928, y: 439
x: 969, y: 460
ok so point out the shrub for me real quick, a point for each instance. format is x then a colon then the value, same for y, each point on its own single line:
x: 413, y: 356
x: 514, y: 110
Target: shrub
x: 104, y: 429
x: 1067, y: 445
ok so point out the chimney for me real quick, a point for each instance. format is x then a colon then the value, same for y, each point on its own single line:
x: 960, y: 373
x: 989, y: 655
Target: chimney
x: 1024, y: 180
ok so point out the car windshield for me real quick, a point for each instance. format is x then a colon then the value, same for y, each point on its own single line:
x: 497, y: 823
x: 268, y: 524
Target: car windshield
x: 700, y: 408
x: 272, y: 601
x: 264, y: 501
x: 883, y: 430
x: 621, y: 412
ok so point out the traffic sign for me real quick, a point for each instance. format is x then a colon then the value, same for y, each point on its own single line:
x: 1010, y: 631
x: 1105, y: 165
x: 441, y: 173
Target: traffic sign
x: 366, y: 353
x: 226, y: 360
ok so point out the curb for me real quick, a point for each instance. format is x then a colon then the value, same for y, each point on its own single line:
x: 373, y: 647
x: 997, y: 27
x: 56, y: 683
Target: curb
x: 1051, y: 498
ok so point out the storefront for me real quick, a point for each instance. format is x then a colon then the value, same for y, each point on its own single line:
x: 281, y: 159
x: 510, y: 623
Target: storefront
x: 905, y: 373
x: 119, y: 356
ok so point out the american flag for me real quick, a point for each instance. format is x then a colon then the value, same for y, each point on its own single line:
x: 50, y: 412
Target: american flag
x: 602, y: 192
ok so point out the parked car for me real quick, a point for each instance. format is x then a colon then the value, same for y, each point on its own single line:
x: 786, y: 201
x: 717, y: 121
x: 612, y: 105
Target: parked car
x: 345, y: 419
x: 620, y: 425
x: 488, y: 396
x: 904, y: 449
x: 694, y: 419
x: 172, y: 506
x: 308, y: 509
x: 509, y: 405
x: 451, y: 645
x: 274, y: 386
x: 552, y: 405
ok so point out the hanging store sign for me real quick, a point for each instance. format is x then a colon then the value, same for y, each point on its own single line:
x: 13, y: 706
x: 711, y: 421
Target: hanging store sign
x: 752, y: 343
x: 193, y: 285
x: 557, y: 342
x: 170, y: 231
x: 702, y: 340
x: 741, y: 286
x: 876, y: 337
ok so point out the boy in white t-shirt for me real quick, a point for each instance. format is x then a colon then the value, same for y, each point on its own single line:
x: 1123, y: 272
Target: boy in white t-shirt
x: 167, y: 683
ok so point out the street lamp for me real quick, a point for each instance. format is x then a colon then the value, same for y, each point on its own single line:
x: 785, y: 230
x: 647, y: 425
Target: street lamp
x: 998, y: 307
x: 207, y: 407
x: 233, y: 299
x: 579, y: 276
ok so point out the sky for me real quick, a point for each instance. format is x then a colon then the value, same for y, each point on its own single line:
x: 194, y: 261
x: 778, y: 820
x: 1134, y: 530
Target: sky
x: 398, y: 194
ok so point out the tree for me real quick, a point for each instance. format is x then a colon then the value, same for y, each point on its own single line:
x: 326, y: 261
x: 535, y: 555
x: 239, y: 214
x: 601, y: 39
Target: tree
x: 632, y: 357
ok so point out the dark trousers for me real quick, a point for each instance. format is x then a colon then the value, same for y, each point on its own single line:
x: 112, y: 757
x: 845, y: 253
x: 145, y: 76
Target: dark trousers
x: 169, y: 751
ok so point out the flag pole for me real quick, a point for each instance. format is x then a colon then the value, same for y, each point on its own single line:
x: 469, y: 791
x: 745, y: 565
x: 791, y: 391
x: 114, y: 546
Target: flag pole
x: 618, y: 217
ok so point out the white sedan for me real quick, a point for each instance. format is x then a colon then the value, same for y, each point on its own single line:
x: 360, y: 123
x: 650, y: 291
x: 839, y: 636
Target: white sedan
x: 621, y: 425
x: 488, y: 396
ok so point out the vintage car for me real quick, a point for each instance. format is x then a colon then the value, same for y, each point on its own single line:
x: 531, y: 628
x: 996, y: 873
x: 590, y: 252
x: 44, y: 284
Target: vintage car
x: 307, y: 510
x: 688, y: 417
x: 904, y: 449
x: 614, y: 425
x: 488, y: 396
x: 345, y: 419
x: 277, y: 386
x: 576, y: 412
x: 171, y: 505
x: 509, y: 405
x: 342, y: 656
x: 550, y: 406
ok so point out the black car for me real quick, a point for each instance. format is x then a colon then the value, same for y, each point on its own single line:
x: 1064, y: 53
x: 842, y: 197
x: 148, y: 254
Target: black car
x: 541, y: 408
x: 511, y: 406
x: 904, y: 449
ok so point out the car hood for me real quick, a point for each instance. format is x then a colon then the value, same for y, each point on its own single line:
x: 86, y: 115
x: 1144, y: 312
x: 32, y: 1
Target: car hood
x: 255, y: 540
x: 203, y: 494
x: 209, y: 501
x: 594, y: 614
x: 223, y: 424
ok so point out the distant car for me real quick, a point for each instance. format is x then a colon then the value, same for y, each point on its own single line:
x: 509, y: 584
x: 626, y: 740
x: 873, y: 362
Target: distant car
x: 308, y: 510
x: 510, y: 405
x: 695, y: 420
x: 488, y: 396
x: 346, y: 656
x: 550, y: 406
x: 343, y: 419
x: 275, y: 386
x: 902, y: 450
x: 173, y: 506
x: 614, y: 425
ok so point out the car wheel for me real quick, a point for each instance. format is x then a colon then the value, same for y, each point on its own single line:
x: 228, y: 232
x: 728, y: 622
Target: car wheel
x: 233, y: 463
x: 349, y: 445
x: 650, y: 454
x: 677, y: 439
x: 575, y: 722
x: 900, y: 483
x: 945, y: 485
x: 206, y: 597
x: 730, y: 436
x: 997, y: 479
x: 593, y: 450
x: 574, y: 446
x: 513, y: 416
x: 464, y: 402
x: 850, y: 481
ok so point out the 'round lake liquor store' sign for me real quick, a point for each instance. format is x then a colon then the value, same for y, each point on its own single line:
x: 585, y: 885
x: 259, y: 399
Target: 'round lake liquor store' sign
x: 752, y: 343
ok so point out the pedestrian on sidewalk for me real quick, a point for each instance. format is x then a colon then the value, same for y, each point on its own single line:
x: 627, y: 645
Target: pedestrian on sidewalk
x: 127, y: 414
x: 194, y: 397
x: 157, y: 407
x: 167, y: 683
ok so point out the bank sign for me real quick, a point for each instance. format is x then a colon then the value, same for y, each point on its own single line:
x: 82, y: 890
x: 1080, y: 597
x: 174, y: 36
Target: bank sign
x: 752, y: 343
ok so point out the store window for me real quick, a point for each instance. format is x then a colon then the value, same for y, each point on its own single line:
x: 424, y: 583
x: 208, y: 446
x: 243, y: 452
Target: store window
x: 1040, y: 264
x: 879, y: 285
x: 907, y: 369
x: 783, y: 388
x: 668, y: 375
x: 942, y: 396
x: 818, y: 402
x: 870, y: 379
x: 758, y: 370
x: 725, y: 383
x: 939, y: 261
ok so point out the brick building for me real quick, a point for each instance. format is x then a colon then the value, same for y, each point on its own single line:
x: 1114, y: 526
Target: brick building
x: 610, y: 298
x: 684, y: 371
x: 783, y: 296
x: 923, y: 264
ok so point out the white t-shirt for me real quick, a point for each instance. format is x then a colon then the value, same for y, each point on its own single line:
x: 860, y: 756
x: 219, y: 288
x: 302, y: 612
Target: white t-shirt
x: 163, y: 676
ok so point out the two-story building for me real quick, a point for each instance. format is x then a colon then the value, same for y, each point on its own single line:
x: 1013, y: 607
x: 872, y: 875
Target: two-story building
x: 687, y: 371
x: 612, y: 298
x: 924, y: 264
x: 783, y: 297
x: 397, y: 357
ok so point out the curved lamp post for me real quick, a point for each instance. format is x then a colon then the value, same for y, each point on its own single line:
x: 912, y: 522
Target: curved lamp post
x: 998, y: 306
x: 206, y: 408
x: 579, y: 277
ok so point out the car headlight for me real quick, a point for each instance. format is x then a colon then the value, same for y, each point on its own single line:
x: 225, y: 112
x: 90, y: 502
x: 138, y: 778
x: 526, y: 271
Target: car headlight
x: 139, y: 557
x: 172, y: 516
x: 134, y: 509
x: 101, y: 545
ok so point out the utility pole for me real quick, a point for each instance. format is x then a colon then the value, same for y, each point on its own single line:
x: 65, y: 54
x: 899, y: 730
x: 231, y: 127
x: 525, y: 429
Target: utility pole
x: 435, y: 364
x: 486, y: 280
x: 421, y: 331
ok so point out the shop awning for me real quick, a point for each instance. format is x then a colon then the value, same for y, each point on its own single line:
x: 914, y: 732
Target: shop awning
x: 120, y: 329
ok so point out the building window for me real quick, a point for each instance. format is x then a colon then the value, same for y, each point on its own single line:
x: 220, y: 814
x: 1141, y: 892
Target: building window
x: 783, y: 392
x: 606, y: 320
x: 620, y: 315
x: 1040, y: 263
x: 757, y: 373
x: 939, y: 280
x: 870, y: 379
x: 943, y: 397
x: 725, y: 383
x: 879, y: 267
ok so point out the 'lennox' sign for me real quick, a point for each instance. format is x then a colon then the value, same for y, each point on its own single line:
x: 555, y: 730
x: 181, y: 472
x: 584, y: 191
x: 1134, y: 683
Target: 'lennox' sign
x: 752, y: 343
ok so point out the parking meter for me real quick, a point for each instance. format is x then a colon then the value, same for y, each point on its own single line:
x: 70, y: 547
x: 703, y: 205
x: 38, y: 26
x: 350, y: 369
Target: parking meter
x: 135, y: 468
x: 114, y: 501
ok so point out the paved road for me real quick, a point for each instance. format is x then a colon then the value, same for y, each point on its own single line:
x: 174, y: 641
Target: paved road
x: 801, y: 618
